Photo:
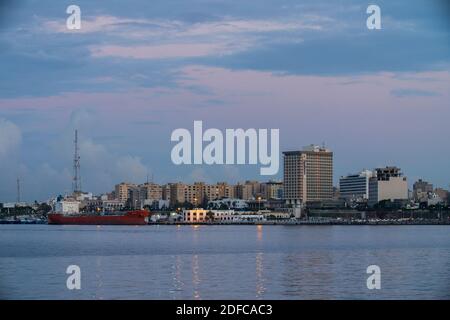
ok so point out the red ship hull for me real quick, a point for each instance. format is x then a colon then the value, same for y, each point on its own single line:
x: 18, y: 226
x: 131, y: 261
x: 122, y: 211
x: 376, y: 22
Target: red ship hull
x: 130, y: 218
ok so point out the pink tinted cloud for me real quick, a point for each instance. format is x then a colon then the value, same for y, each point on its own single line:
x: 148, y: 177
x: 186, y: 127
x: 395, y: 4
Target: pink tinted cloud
x: 167, y: 51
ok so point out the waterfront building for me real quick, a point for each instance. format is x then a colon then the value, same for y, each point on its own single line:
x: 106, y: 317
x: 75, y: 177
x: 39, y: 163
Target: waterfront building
x: 67, y: 207
x: 122, y: 191
x: 355, y: 187
x: 387, y: 184
x: 112, y: 205
x: 225, y: 191
x: 308, y: 175
x: 421, y: 189
x: 165, y: 192
x: 272, y: 190
x: 199, y: 193
x: 136, y: 197
x: 203, y: 215
x: 230, y: 203
x: 196, y: 215
x: 248, y: 190
x: 157, y: 204
x: 243, y: 191
x: 443, y: 194
x: 152, y: 191
x: 177, y: 193
x: 210, y: 192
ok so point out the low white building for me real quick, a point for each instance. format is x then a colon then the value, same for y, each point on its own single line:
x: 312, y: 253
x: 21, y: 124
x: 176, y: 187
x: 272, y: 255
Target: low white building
x: 195, y: 215
x: 67, y: 207
x: 204, y: 215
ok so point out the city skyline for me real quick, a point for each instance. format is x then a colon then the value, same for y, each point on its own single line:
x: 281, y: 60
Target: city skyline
x: 315, y: 150
x: 132, y: 75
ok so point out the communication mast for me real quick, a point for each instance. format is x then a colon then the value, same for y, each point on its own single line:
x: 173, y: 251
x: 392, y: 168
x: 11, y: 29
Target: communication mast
x: 18, y: 190
x: 76, y: 185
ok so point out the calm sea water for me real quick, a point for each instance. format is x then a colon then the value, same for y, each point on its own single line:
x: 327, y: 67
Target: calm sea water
x: 224, y: 262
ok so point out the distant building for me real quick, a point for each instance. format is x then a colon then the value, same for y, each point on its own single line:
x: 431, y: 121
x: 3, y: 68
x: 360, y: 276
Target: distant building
x: 152, y: 191
x: 202, y: 215
x: 225, y: 191
x: 195, y: 215
x: 177, y: 193
x: 308, y: 175
x: 421, y: 189
x: 122, y: 191
x: 355, y: 187
x: 67, y: 207
x: 112, y: 205
x: 272, y: 190
x: 199, y: 193
x: 230, y: 203
x: 157, y: 204
x: 248, y: 190
x: 387, y: 184
x: 434, y: 199
x: 443, y: 194
x: 166, y: 192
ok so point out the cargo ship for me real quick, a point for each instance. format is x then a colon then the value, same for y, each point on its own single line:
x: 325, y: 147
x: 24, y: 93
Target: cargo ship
x: 137, y: 217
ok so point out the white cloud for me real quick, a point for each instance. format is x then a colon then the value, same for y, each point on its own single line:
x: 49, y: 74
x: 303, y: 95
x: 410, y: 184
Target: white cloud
x: 130, y: 168
x: 160, y: 51
x: 10, y: 137
x: 103, y: 23
x: 156, y: 39
x: 137, y: 28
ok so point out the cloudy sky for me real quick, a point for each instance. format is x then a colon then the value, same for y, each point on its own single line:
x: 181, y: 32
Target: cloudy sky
x: 137, y: 70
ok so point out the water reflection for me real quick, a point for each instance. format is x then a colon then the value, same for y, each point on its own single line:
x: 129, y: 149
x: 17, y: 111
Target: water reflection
x: 259, y: 272
x: 218, y: 262
x: 307, y: 275
x: 177, y: 284
x: 259, y: 233
x: 99, y: 279
x: 196, y: 277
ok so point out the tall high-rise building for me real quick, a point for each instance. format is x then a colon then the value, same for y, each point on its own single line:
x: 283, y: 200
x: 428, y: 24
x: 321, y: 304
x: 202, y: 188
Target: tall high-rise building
x: 308, y: 175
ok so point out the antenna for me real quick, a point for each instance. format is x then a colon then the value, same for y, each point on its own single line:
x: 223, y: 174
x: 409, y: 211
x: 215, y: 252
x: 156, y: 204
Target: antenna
x: 76, y: 186
x: 18, y: 190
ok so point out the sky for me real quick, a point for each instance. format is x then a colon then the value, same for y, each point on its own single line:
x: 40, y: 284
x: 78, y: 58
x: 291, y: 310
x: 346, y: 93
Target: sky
x: 137, y: 70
